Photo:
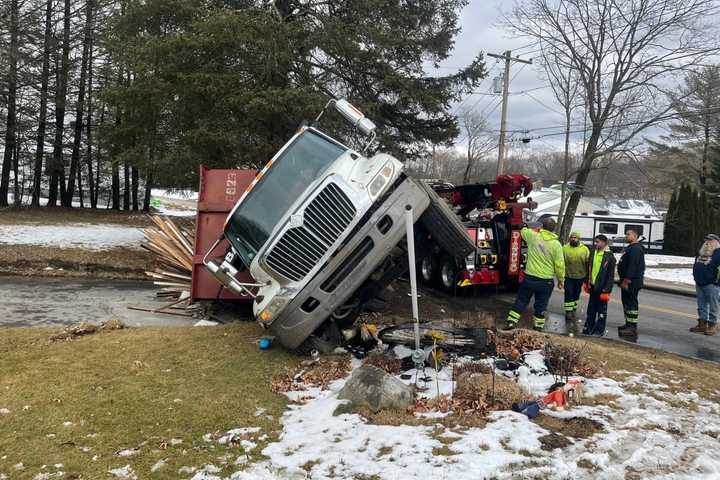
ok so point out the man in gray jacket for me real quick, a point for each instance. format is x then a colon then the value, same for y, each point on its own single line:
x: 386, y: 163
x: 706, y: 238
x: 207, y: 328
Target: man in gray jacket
x: 707, y: 285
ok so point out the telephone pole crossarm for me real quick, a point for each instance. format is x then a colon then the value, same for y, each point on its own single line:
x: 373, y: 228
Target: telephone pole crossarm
x: 503, y: 118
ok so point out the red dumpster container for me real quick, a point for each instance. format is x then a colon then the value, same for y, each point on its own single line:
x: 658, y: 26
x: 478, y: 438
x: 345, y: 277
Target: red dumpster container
x: 220, y: 189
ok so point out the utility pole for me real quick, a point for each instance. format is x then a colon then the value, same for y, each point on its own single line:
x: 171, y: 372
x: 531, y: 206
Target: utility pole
x: 503, y: 119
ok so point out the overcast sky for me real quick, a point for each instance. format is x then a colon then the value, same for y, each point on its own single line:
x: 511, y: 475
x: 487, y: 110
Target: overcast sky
x: 481, y: 33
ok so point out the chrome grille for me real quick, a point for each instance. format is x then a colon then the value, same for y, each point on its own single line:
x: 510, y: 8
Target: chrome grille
x: 299, y: 249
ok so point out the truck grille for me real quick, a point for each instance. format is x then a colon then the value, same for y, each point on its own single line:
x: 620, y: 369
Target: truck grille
x: 301, y: 248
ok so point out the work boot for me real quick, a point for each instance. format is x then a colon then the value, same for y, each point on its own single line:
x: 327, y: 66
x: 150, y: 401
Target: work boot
x: 711, y: 330
x: 509, y: 326
x: 628, y: 330
x: 701, y: 327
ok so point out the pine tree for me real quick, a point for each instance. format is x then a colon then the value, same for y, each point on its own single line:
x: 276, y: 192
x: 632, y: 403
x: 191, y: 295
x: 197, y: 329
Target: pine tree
x: 670, y: 232
x: 229, y: 85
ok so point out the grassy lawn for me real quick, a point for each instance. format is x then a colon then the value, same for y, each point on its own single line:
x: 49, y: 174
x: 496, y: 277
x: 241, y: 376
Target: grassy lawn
x: 118, y: 263
x: 59, y: 216
x: 79, y: 403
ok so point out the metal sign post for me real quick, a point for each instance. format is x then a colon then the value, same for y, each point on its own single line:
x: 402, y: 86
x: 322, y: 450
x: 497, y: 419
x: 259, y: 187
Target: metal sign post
x: 418, y: 356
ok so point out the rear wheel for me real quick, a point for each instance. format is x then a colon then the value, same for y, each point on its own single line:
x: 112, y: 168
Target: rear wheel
x: 447, y: 274
x: 427, y: 268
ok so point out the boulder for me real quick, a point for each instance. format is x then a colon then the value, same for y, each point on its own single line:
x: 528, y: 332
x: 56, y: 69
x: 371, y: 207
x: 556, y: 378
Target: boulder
x: 374, y: 388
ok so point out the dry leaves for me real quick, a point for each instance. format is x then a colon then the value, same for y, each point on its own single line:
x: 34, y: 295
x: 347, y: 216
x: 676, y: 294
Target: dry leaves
x: 498, y: 393
x: 84, y: 328
x: 518, y: 341
x: 444, y: 404
x: 566, y: 361
x: 384, y: 362
x: 319, y: 374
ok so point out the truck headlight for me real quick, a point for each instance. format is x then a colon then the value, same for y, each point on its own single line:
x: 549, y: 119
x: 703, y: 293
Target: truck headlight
x: 268, y: 314
x: 381, y: 179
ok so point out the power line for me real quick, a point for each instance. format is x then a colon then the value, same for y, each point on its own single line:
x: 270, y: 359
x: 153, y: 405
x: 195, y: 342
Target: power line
x: 456, y: 109
x: 527, y: 94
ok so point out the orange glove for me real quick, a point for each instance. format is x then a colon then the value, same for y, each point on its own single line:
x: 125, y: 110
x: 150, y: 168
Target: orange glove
x: 625, y: 283
x: 604, y: 297
x: 586, y: 287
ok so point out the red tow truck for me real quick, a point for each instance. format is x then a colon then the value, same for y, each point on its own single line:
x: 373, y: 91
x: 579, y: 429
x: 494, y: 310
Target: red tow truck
x: 493, y: 216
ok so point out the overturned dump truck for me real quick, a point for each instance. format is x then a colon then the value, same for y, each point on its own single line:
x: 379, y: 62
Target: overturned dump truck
x: 321, y: 230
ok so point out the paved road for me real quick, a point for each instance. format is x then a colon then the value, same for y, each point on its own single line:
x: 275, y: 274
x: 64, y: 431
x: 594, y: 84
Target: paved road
x: 44, y: 302
x: 664, y: 322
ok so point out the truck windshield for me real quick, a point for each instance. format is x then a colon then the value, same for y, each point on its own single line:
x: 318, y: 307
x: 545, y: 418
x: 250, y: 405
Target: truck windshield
x: 299, y: 165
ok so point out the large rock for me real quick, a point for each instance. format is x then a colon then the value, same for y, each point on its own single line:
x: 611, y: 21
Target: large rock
x: 372, y: 387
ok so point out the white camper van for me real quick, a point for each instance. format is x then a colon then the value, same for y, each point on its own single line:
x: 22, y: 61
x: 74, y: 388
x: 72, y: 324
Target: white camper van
x: 612, y: 218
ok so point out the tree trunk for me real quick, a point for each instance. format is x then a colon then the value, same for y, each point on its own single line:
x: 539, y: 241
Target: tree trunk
x: 79, y: 186
x: 566, y: 174
x: 11, y: 125
x: 135, y: 187
x: 79, y: 109
x: 88, y: 132
x: 468, y: 168
x: 580, y: 181
x: 42, y: 121
x: 148, y: 192
x: 57, y: 174
x: 17, y: 190
x: 115, y: 186
x: 116, y: 168
x: 126, y: 190
x: 98, y: 169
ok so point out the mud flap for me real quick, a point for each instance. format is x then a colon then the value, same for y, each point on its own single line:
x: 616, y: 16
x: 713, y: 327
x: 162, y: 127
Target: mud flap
x: 446, y: 228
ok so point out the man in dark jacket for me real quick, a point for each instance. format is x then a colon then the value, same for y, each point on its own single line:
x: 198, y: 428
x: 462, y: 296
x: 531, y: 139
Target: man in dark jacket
x: 631, y: 270
x: 601, y: 275
x: 707, y: 285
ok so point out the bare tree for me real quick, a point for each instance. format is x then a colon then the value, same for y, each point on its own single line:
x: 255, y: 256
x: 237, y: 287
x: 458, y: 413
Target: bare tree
x: 480, y: 141
x: 625, y: 55
x: 12, y: 88
x: 564, y: 83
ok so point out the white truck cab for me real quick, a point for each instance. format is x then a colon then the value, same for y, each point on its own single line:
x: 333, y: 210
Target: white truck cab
x: 319, y: 219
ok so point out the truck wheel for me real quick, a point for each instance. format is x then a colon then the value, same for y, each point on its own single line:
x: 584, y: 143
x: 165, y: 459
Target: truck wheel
x: 427, y: 268
x: 447, y: 274
x: 325, y: 339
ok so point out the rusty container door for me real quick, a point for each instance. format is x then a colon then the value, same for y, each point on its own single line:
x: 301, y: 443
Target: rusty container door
x: 220, y: 189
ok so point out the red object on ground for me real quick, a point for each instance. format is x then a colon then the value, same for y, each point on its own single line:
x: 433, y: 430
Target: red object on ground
x: 220, y: 189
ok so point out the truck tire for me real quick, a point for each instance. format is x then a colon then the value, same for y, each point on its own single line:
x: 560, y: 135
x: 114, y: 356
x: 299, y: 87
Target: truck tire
x: 445, y: 227
x: 427, y: 268
x: 447, y: 274
x: 325, y: 340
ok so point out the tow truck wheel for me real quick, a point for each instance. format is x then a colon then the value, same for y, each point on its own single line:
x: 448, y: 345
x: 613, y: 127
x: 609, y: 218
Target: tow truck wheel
x: 447, y: 273
x: 427, y: 269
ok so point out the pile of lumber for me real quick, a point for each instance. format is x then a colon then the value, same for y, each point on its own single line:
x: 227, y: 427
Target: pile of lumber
x: 173, y: 246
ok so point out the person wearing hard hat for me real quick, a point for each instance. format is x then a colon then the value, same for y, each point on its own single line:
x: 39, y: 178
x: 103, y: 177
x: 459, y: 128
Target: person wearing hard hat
x: 576, y: 260
x: 601, y: 275
x: 545, y: 262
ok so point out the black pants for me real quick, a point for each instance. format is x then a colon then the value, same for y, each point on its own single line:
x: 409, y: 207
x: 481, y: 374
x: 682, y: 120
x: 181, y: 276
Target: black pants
x: 573, y: 288
x: 631, y: 306
x: 532, y: 286
x: 596, y: 316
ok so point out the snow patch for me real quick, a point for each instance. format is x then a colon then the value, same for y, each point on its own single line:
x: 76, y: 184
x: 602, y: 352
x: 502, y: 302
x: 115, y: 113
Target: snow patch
x: 123, y: 472
x: 72, y: 235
